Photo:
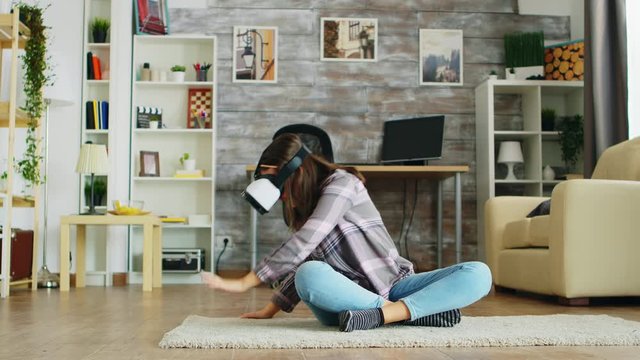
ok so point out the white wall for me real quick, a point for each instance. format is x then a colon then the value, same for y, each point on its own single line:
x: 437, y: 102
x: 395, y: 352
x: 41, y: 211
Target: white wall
x: 633, y: 59
x: 572, y: 8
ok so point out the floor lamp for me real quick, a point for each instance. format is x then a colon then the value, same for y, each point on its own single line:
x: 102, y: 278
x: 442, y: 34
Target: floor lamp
x: 45, y: 278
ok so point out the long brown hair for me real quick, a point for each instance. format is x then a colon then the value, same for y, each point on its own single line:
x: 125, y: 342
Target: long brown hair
x: 302, y: 189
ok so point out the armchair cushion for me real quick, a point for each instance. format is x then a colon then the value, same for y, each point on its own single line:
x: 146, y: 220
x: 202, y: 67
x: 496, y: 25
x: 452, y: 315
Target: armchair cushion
x: 527, y: 233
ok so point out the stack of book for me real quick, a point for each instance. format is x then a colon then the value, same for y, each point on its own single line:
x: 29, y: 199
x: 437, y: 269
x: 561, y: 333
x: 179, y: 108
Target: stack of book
x: 97, y: 115
x: 198, y: 173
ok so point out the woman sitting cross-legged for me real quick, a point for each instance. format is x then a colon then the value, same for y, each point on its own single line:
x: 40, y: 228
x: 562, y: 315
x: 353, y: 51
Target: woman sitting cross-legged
x: 340, y: 259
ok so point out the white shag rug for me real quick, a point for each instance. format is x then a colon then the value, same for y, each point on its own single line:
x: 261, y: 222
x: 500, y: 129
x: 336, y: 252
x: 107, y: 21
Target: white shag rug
x: 290, y: 333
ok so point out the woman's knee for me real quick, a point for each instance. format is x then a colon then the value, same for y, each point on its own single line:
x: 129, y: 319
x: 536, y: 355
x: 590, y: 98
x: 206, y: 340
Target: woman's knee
x: 305, y: 275
x: 481, y: 276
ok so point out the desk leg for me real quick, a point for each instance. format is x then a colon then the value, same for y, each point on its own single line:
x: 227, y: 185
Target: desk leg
x: 147, y: 257
x: 64, y: 257
x: 157, y: 256
x: 81, y: 244
x: 439, y: 224
x: 458, y: 218
x: 253, y: 219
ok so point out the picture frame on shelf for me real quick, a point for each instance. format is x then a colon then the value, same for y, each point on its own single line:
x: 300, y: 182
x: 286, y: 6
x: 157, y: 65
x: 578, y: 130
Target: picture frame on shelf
x: 348, y: 39
x: 200, y: 109
x: 150, y: 163
x: 441, y: 57
x: 151, y: 16
x: 255, y: 54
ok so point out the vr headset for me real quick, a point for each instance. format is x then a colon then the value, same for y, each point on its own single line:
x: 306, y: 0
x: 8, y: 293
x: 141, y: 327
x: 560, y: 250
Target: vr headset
x: 265, y: 190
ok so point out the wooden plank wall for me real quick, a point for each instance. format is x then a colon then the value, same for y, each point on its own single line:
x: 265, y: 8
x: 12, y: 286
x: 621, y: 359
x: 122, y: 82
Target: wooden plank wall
x: 352, y: 100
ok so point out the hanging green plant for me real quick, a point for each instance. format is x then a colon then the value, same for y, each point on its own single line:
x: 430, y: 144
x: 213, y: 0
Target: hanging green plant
x: 36, y: 77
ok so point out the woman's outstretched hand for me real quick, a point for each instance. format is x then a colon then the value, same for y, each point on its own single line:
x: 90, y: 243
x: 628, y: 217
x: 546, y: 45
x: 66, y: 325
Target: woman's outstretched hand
x: 230, y: 285
x: 216, y: 282
x: 266, y: 312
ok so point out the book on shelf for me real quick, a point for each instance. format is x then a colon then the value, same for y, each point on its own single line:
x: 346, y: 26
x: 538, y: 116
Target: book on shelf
x: 90, y: 66
x: 198, y: 173
x: 173, y: 219
x: 97, y: 74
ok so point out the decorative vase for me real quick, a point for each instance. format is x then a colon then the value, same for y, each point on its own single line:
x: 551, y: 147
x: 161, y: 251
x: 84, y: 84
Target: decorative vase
x: 190, y: 165
x: 548, y: 173
x: 177, y: 76
x: 511, y: 76
x: 99, y: 36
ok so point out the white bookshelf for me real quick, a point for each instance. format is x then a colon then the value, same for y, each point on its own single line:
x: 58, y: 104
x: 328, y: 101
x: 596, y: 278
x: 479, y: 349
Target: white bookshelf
x: 496, y: 122
x: 166, y: 194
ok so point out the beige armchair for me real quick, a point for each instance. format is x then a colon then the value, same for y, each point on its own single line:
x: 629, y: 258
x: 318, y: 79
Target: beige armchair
x: 589, y: 244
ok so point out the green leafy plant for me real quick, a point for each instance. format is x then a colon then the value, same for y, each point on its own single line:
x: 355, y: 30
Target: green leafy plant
x: 512, y: 71
x: 99, y: 191
x: 184, y: 157
x: 493, y: 72
x: 524, y: 49
x: 100, y: 24
x: 35, y: 64
x: 571, y: 139
x: 178, y: 68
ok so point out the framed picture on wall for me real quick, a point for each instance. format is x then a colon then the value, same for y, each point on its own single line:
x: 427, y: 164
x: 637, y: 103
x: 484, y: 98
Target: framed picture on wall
x: 441, y: 60
x: 348, y: 39
x: 255, y: 54
x: 151, y: 16
x: 149, y: 163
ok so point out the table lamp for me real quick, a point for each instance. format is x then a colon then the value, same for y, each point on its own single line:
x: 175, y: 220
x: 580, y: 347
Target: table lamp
x: 92, y: 160
x: 510, y: 153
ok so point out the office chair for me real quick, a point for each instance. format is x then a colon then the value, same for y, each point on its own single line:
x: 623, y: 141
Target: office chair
x: 316, y: 139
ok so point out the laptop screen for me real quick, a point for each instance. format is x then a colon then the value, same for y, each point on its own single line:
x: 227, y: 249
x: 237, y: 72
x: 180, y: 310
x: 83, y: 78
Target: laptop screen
x: 413, y: 139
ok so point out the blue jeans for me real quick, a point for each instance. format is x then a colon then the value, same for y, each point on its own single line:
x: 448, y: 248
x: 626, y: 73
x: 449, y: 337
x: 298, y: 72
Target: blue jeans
x: 327, y: 292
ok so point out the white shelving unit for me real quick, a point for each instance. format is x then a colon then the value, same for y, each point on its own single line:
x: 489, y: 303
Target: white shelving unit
x: 166, y: 194
x: 94, y: 89
x: 497, y: 120
x: 13, y: 35
x: 98, y: 90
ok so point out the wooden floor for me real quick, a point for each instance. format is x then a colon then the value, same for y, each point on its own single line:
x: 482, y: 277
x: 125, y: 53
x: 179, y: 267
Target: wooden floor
x: 125, y: 323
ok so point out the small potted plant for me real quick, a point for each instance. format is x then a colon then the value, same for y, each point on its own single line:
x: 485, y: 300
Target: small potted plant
x: 571, y: 140
x: 178, y: 72
x: 493, y: 75
x: 187, y: 163
x: 99, y: 29
x: 511, y: 74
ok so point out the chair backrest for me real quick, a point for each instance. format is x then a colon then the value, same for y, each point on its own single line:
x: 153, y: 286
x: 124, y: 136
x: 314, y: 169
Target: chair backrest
x: 620, y: 162
x: 316, y: 139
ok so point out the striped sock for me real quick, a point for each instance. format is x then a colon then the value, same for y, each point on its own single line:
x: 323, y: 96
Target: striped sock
x: 443, y: 319
x: 361, y: 319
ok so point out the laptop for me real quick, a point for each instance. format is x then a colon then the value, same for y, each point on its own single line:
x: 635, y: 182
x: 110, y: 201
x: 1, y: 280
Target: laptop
x: 412, y: 141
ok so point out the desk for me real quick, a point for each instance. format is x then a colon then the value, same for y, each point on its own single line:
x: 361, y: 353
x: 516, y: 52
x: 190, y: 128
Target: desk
x: 151, y: 253
x: 431, y: 172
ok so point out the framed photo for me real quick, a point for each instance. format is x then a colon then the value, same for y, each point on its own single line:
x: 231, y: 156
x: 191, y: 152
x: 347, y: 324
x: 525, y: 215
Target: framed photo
x: 348, y: 39
x: 152, y: 17
x: 149, y: 163
x: 441, y: 60
x: 255, y: 54
x: 200, y: 108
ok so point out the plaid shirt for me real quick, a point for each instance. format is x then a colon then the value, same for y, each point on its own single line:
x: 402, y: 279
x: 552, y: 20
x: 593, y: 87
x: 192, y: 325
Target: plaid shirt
x: 345, y: 231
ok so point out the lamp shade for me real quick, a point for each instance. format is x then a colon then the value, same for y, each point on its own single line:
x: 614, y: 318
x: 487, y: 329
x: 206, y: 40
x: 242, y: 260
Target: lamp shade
x: 510, y: 152
x: 93, y: 159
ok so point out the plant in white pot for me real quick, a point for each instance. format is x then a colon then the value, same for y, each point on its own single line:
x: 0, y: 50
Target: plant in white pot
x: 187, y: 163
x: 178, y: 72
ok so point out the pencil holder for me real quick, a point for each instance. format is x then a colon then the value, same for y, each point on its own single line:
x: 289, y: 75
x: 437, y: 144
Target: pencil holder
x: 201, y: 75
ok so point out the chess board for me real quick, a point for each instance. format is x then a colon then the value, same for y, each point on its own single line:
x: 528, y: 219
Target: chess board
x: 199, y: 100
